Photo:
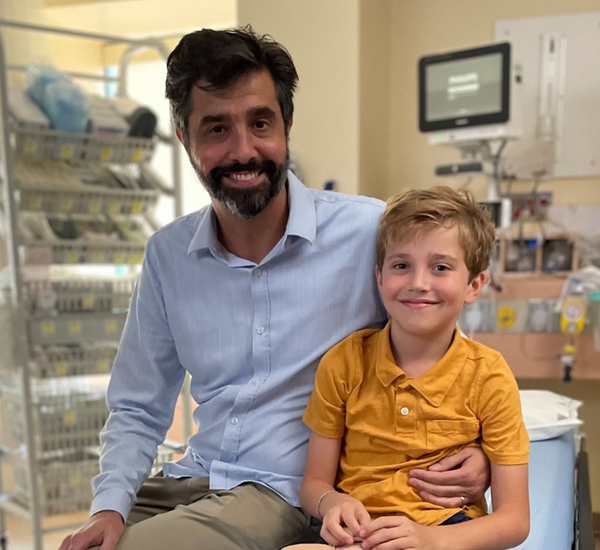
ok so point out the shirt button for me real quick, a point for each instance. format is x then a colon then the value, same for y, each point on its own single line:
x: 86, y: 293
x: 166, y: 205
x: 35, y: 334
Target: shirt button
x: 235, y: 420
x: 404, y: 411
x: 258, y: 272
x: 260, y: 330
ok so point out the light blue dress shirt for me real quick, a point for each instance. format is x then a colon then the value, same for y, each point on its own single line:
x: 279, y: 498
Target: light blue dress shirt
x: 250, y: 335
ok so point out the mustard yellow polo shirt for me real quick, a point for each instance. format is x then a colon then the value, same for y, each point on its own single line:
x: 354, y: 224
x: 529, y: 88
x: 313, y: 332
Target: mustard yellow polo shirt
x: 391, y: 423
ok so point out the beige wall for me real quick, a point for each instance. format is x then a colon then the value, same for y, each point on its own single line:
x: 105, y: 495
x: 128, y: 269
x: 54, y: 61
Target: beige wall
x: 323, y: 39
x: 374, y: 97
x: 421, y: 27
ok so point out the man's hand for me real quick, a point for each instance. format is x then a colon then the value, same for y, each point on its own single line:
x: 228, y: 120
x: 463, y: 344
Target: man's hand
x: 103, y: 529
x: 398, y: 533
x: 465, y: 474
x: 344, y: 518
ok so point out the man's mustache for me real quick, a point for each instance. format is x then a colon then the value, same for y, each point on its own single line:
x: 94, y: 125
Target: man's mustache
x: 253, y: 166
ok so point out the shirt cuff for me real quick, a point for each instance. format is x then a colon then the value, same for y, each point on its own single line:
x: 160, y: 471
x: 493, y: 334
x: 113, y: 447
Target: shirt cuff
x: 112, y: 499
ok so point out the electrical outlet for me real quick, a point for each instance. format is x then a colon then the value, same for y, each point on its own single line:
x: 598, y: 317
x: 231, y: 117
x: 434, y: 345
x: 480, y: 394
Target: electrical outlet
x: 529, y: 206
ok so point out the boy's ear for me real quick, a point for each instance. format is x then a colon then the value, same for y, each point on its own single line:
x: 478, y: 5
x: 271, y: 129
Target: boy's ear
x: 475, y: 287
x: 379, y: 278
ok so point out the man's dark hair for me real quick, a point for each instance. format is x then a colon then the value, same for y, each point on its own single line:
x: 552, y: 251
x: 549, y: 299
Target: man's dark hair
x: 221, y: 58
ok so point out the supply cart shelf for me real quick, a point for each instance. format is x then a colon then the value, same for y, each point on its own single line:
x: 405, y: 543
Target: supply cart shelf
x: 76, y: 328
x: 48, y: 144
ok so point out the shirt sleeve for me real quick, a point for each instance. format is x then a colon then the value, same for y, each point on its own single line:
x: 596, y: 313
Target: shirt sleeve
x: 144, y: 386
x: 326, y: 410
x: 504, y: 437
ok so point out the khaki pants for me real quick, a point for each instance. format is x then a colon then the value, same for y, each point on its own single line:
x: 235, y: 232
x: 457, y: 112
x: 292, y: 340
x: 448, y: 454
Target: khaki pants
x: 184, y: 514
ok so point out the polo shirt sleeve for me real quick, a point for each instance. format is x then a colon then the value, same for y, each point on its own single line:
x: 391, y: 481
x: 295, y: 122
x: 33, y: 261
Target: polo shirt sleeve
x: 326, y: 410
x: 504, y: 437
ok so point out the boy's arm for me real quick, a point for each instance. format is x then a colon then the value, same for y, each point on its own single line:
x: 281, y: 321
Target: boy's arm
x: 506, y: 527
x: 320, y: 499
x: 465, y: 474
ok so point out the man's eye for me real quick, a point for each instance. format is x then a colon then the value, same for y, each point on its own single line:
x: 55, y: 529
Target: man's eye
x: 217, y: 130
x: 261, y: 124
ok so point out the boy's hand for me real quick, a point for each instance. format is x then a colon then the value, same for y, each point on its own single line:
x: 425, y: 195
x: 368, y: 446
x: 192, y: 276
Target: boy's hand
x: 465, y: 474
x: 398, y: 533
x: 343, y: 518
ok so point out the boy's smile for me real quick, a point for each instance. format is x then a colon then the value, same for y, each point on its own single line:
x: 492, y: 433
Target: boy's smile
x: 424, y: 284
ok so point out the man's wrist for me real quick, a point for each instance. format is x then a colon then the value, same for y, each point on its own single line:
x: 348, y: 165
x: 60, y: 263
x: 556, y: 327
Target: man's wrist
x: 108, y: 513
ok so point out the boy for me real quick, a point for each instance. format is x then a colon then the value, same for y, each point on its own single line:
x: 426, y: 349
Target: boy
x: 387, y: 401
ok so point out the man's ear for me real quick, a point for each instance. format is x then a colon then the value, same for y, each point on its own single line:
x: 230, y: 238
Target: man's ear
x: 475, y: 287
x: 180, y: 137
x: 289, y: 126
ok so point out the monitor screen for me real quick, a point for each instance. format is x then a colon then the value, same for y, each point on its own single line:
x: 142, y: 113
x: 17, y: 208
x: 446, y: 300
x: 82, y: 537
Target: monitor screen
x: 464, y: 88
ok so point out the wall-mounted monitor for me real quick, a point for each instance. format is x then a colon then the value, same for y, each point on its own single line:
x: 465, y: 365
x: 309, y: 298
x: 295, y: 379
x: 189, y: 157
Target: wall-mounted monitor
x: 464, y: 89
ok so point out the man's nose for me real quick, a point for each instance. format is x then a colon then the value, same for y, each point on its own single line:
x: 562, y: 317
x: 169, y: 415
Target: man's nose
x: 243, y: 147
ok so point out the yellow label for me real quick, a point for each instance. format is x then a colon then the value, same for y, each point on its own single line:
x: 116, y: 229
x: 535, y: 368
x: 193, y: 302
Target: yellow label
x: 95, y: 206
x: 48, y: 328
x: 106, y: 154
x: 62, y: 368
x: 102, y: 365
x: 74, y: 328
x: 114, y: 207
x: 88, y: 300
x: 136, y: 207
x: 137, y: 155
x: 119, y: 258
x: 72, y: 257
x: 35, y: 203
x: 66, y: 205
x: 110, y: 326
x: 69, y: 418
x: 506, y: 317
x: 29, y: 148
x: 66, y: 151
x: 75, y: 480
x: 97, y: 257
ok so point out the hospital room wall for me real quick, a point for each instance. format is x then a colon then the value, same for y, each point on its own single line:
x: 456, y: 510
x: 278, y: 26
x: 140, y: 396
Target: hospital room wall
x: 322, y: 38
x: 427, y: 26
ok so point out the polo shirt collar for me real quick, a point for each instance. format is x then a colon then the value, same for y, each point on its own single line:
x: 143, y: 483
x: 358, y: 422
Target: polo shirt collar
x: 302, y: 221
x: 434, y: 384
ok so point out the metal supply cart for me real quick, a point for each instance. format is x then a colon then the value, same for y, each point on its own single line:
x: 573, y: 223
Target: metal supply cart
x: 58, y: 332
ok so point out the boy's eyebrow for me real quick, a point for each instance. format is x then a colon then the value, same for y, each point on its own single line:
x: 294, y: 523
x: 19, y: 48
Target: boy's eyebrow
x: 443, y: 257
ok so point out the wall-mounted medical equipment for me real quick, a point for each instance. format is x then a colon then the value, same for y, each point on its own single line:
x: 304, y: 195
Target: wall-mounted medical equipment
x: 465, y: 95
x: 558, y: 57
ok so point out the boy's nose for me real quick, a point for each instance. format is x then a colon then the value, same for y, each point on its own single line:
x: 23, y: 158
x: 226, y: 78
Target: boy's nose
x: 419, y: 281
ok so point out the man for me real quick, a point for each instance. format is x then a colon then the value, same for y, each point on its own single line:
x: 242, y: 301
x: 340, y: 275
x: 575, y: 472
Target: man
x: 246, y: 295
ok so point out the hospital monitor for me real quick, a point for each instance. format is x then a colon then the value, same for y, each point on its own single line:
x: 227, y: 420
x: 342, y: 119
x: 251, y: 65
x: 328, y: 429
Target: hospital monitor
x: 465, y: 95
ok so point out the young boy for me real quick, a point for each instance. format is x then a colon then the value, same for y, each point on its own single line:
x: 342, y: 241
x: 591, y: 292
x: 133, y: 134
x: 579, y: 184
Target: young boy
x: 387, y: 401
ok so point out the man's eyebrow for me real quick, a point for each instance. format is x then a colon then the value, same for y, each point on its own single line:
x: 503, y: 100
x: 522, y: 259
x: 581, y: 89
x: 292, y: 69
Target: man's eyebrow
x: 263, y: 111
x: 212, y: 119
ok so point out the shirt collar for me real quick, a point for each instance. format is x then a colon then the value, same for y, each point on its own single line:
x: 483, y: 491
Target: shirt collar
x: 302, y: 221
x: 434, y: 384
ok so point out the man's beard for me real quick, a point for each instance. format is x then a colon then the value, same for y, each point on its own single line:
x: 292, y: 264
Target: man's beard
x: 245, y: 203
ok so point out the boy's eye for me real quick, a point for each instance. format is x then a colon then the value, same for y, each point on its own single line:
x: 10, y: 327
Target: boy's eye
x: 442, y: 268
x: 400, y: 265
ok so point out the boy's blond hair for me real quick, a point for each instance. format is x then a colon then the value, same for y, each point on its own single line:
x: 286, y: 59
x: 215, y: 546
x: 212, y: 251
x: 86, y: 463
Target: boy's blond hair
x: 423, y: 210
